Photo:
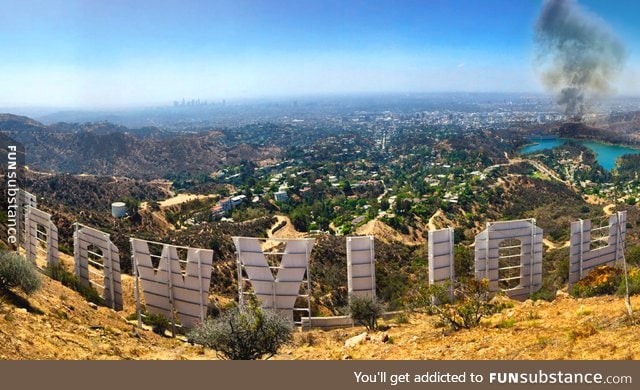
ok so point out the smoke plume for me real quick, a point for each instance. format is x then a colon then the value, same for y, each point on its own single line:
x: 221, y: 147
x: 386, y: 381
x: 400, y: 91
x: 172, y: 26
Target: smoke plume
x: 578, y: 52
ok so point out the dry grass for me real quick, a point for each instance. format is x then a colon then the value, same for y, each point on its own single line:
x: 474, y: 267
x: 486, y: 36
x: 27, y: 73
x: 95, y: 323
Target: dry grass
x: 64, y: 326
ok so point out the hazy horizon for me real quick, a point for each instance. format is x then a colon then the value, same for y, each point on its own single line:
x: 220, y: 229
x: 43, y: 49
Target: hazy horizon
x: 90, y: 55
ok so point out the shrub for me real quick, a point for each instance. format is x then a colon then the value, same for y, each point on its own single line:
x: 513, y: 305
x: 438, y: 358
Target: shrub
x: 402, y: 318
x: 158, y: 323
x: 243, y: 333
x: 68, y: 279
x: 582, y: 331
x: 634, y: 283
x: 633, y: 255
x: 365, y: 310
x: 606, y: 280
x: 505, y: 324
x: 601, y: 280
x: 471, y: 305
x: 17, y: 272
x: 543, y: 294
x: 463, y: 261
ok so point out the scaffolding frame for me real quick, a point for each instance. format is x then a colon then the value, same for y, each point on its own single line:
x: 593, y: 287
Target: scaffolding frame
x: 33, y: 237
x: 533, y: 229
x: 107, y: 261
x: 169, y: 283
x: 585, y: 226
x: 305, y: 283
x: 25, y: 200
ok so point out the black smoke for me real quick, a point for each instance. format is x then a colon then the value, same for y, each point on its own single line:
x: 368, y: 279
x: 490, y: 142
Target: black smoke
x: 578, y: 52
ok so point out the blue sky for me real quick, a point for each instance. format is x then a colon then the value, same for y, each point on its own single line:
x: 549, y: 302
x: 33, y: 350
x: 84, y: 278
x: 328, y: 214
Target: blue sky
x: 121, y: 53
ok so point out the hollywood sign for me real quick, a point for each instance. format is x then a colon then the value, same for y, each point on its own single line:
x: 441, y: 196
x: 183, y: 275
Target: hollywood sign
x: 97, y: 263
x: 509, y: 253
x: 175, y: 280
x: 171, y: 282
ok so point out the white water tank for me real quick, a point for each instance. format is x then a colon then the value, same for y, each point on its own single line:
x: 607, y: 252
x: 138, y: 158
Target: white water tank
x: 118, y: 209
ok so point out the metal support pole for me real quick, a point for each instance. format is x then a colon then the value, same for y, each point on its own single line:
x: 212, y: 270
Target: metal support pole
x: 308, y: 260
x: 202, y: 306
x: 112, y: 292
x: 136, y: 278
x: 27, y: 236
x: 581, y: 245
x: 627, y: 299
x: 451, y: 266
x: 167, y: 254
x: 532, y: 254
x: 486, y: 255
x: 274, y: 306
x: 372, y: 268
x: 239, y: 269
x: 76, y: 251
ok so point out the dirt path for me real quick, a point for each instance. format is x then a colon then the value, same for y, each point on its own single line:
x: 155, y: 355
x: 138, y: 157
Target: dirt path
x: 553, y: 246
x: 431, y: 224
x: 386, y: 233
x: 386, y: 190
x: 177, y: 200
x: 288, y: 231
x: 608, y: 209
x: 183, y: 198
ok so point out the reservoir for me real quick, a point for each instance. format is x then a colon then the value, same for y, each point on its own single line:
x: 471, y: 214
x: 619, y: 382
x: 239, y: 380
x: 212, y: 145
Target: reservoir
x: 606, y: 154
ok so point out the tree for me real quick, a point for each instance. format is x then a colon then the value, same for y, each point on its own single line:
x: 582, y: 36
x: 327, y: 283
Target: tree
x: 301, y: 218
x: 346, y: 188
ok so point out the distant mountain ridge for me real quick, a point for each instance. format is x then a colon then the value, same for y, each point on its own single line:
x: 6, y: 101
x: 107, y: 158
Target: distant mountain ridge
x: 102, y: 148
x: 11, y: 122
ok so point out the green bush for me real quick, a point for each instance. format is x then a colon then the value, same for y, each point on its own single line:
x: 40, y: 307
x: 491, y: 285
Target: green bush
x: 158, y: 323
x: 463, y: 261
x: 634, y: 282
x: 243, y: 333
x: 633, y: 255
x: 472, y: 303
x: 543, y: 294
x: 365, y: 311
x: 17, y: 272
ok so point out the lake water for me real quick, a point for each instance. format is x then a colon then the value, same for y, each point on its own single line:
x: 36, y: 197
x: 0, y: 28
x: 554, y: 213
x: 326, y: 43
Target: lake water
x: 605, y: 154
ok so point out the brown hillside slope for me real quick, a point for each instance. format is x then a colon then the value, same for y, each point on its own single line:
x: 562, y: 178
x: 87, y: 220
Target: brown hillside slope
x: 583, y: 329
x: 62, y: 325
x: 568, y: 328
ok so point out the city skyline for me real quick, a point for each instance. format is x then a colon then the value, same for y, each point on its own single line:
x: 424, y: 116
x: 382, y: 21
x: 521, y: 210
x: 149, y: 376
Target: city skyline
x: 113, y: 54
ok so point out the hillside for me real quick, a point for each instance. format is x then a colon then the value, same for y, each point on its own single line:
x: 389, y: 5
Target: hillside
x: 624, y: 132
x: 106, y: 149
x: 10, y: 122
x: 59, y: 324
x: 95, y: 193
x: 567, y: 328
